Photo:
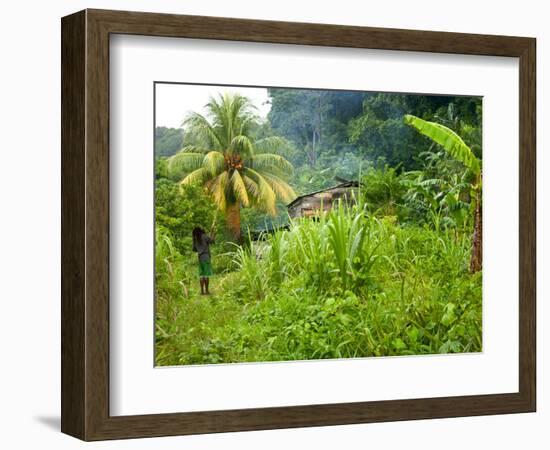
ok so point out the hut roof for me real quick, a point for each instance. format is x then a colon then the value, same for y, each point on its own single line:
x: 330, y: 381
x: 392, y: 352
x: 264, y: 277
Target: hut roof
x: 343, y: 184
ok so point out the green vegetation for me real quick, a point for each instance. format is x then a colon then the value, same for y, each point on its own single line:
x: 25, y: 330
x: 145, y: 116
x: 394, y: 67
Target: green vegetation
x: 456, y: 147
x: 389, y: 273
x: 349, y: 285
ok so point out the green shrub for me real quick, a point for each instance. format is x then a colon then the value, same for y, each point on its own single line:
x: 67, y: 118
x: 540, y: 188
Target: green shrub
x: 180, y: 208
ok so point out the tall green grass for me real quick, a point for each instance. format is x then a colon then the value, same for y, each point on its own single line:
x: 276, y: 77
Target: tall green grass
x: 348, y: 284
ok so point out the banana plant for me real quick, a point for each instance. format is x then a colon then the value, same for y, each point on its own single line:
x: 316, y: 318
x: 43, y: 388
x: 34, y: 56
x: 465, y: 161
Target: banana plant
x: 453, y: 144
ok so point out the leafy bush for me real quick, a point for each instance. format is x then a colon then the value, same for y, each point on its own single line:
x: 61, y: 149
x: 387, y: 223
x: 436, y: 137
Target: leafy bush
x: 383, y: 192
x: 180, y: 208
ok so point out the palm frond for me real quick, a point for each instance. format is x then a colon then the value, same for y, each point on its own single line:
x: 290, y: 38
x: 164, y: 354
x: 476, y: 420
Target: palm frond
x: 201, y: 129
x: 269, y: 162
x: 185, y: 161
x: 271, y: 144
x: 247, y: 123
x: 216, y: 112
x: 199, y: 176
x: 238, y: 188
x: 448, y: 139
x: 218, y: 188
x: 252, y: 188
x: 232, y: 114
x: 193, y: 148
x: 241, y: 145
x: 282, y: 189
x: 266, y: 198
x: 214, y: 162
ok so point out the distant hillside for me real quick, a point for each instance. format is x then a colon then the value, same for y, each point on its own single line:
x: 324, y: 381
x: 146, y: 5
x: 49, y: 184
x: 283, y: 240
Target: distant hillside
x: 168, y: 141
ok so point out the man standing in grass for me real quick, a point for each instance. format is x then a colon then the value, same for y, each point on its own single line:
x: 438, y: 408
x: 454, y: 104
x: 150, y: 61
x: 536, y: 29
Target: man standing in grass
x: 201, y: 245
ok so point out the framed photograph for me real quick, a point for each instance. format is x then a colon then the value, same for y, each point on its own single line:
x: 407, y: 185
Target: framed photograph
x: 272, y: 225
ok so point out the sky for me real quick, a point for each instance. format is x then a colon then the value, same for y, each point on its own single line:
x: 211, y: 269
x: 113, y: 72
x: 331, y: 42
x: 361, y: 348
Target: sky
x: 174, y: 101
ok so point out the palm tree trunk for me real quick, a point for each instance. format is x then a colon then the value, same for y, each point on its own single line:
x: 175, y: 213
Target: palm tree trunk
x: 476, y: 258
x: 233, y: 215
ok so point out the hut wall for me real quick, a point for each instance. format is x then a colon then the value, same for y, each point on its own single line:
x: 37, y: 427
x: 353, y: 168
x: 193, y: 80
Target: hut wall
x: 309, y: 204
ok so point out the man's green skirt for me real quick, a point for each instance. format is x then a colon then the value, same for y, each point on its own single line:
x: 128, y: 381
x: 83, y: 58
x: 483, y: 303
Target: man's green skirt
x: 205, y: 269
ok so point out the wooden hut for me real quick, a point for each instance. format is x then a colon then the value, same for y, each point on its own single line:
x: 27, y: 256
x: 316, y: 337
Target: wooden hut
x: 309, y: 205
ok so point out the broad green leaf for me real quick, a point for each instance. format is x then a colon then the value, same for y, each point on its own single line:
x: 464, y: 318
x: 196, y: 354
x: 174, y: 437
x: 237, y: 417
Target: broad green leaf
x: 448, y: 139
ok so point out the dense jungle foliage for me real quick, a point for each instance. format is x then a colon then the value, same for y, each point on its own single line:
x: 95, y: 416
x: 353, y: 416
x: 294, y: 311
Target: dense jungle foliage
x: 394, y: 272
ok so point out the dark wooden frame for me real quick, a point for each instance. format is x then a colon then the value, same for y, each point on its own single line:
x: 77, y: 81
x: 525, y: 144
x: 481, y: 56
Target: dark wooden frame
x: 85, y: 224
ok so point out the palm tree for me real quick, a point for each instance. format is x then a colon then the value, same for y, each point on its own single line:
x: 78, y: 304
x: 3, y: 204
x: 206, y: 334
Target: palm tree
x: 234, y: 167
x: 457, y: 148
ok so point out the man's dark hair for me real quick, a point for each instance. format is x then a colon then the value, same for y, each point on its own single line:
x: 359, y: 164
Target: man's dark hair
x: 198, y: 232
